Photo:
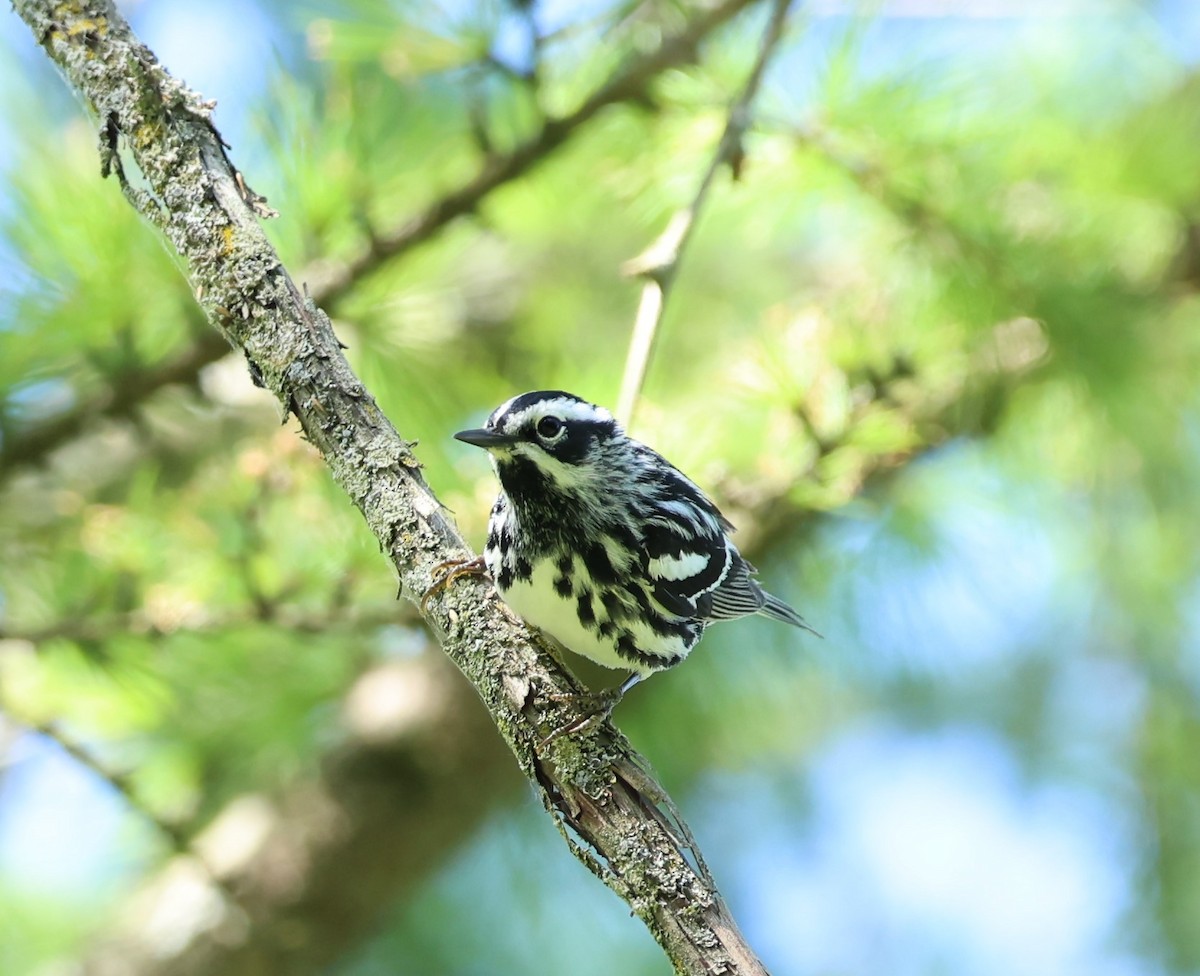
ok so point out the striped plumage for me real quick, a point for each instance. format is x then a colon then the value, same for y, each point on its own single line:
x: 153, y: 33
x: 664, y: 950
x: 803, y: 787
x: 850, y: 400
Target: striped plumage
x: 600, y: 542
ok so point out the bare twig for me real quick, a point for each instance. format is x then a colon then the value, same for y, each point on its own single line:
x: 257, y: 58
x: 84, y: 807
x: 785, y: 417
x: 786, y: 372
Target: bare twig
x: 629, y: 83
x: 659, y: 263
x: 195, y: 197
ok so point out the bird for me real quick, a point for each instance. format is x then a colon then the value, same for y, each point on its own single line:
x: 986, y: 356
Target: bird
x: 598, y: 541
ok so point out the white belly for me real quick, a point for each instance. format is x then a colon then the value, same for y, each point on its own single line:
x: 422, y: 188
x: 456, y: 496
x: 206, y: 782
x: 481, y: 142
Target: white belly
x: 540, y: 606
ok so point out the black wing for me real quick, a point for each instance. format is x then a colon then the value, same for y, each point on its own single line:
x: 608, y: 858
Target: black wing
x: 692, y: 566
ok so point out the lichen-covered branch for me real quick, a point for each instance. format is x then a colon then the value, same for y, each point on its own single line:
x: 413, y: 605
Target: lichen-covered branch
x: 331, y: 280
x: 591, y: 782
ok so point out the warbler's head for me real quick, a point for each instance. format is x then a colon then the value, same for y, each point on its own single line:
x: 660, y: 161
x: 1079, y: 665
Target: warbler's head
x: 561, y: 435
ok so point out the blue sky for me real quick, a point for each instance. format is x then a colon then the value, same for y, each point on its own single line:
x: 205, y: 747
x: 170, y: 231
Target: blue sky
x: 928, y: 851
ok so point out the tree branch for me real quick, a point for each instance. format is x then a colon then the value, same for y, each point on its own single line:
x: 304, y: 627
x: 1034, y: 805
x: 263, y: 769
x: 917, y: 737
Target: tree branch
x: 330, y: 281
x: 659, y: 263
x: 90, y: 629
x: 629, y: 83
x: 382, y: 813
x: 592, y: 783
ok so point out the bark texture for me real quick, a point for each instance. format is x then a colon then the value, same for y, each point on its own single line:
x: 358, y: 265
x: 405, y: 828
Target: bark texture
x: 593, y: 784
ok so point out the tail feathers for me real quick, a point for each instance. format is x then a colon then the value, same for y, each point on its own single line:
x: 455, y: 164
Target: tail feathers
x: 776, y: 609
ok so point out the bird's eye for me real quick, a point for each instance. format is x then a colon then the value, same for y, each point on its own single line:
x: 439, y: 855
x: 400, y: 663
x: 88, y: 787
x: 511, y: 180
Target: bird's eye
x: 549, y: 428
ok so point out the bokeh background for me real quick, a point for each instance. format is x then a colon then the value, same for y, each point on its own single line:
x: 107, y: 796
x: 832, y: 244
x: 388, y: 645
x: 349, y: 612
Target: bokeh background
x: 936, y: 352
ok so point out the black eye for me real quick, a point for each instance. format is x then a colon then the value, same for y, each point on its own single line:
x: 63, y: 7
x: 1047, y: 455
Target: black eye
x: 549, y: 427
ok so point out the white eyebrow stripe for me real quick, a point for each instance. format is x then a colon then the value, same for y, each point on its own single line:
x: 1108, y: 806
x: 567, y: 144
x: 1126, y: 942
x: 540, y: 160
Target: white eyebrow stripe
x: 574, y: 410
x: 559, y: 407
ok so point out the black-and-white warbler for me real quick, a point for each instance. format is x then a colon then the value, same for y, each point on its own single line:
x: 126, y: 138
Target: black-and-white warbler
x: 600, y: 542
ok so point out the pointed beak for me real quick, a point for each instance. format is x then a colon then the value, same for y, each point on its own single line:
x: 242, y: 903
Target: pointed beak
x: 485, y: 438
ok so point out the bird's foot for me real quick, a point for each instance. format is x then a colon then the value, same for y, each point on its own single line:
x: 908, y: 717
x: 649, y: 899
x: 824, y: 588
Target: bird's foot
x: 447, y: 572
x: 595, y: 707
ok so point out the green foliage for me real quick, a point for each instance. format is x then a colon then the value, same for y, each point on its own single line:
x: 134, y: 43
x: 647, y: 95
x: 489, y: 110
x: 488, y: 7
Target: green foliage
x: 994, y: 249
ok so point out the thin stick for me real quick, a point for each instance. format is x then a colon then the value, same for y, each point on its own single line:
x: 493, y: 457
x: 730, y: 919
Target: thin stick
x: 627, y: 83
x: 659, y: 263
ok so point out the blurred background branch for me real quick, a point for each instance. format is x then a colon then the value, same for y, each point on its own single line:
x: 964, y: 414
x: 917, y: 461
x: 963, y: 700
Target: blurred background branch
x: 300, y: 877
